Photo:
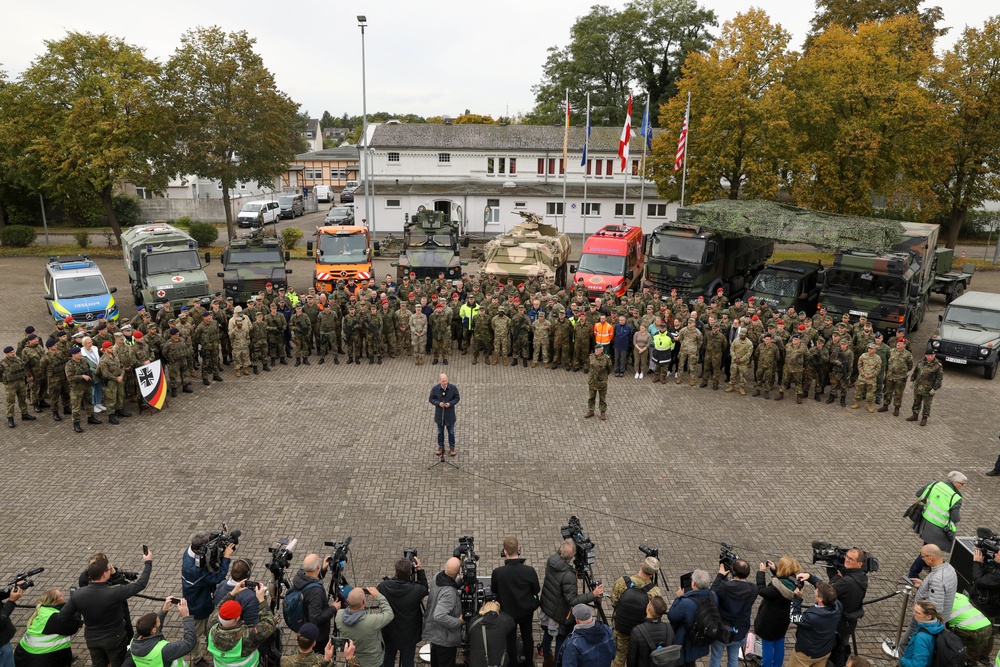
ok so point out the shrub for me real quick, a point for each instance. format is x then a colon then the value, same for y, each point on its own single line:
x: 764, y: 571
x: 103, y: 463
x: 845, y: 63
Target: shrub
x: 82, y: 238
x: 290, y: 236
x: 184, y: 221
x: 203, y: 232
x: 17, y: 236
x: 127, y: 210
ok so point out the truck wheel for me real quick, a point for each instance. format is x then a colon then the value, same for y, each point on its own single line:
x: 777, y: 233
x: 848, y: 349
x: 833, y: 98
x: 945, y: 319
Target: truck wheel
x: 990, y: 371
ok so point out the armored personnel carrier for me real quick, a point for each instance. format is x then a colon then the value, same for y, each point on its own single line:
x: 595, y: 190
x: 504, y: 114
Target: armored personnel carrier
x: 532, y: 248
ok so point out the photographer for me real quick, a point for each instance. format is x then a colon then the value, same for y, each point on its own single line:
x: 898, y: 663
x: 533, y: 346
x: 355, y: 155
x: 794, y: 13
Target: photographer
x: 736, y: 598
x: 315, y: 603
x: 630, y: 596
x: 101, y: 607
x: 682, y: 615
x: 406, y: 598
x: 118, y: 577
x: 851, y: 583
x: 559, y: 596
x: 363, y: 627
x: 306, y: 655
x: 230, y: 640
x: 986, y: 585
x: 649, y: 635
x: 198, y: 586
x: 489, y: 645
x: 443, y: 625
x: 150, y: 649
x: 516, y: 587
x: 7, y: 629
x: 240, y: 571
x: 47, y: 639
x: 816, y: 633
x: 772, y: 621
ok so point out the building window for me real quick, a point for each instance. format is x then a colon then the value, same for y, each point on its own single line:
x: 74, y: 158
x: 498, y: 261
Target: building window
x: 600, y: 166
x: 562, y: 166
x: 541, y: 166
x: 314, y: 174
x: 393, y: 157
x: 243, y: 186
x: 498, y: 165
x: 629, y: 210
x: 338, y: 174
x: 635, y: 167
x: 552, y: 165
x: 656, y: 210
x: 554, y: 208
x: 520, y: 204
x: 591, y: 208
x: 444, y: 158
x: 392, y: 203
x: 493, y: 216
x: 609, y: 164
x: 143, y: 193
x: 588, y: 167
x: 513, y: 166
x: 490, y: 164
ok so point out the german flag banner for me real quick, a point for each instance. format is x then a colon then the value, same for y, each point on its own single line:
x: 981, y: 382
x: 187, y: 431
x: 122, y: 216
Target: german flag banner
x: 152, y: 384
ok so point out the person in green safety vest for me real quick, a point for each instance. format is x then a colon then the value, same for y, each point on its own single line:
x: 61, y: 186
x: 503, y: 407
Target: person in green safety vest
x: 150, y: 649
x: 46, y: 640
x: 231, y: 642
x: 972, y: 627
x: 943, y: 504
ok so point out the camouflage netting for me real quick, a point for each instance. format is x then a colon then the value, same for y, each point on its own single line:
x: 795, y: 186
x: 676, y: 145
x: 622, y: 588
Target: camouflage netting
x: 791, y: 224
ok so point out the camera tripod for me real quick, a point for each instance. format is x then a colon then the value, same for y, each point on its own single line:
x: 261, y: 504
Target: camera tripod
x: 441, y: 457
x: 589, y: 585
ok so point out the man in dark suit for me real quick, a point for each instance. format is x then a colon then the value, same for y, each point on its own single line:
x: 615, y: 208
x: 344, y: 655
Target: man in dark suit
x: 444, y: 398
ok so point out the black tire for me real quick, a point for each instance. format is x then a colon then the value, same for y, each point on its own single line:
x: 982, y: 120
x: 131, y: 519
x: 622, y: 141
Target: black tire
x: 991, y: 370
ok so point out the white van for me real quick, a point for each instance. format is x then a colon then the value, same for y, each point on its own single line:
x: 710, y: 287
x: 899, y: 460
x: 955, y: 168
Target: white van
x: 324, y: 193
x: 259, y: 213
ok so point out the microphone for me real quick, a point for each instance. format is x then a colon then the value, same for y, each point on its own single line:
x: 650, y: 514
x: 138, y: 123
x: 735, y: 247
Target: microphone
x: 291, y: 545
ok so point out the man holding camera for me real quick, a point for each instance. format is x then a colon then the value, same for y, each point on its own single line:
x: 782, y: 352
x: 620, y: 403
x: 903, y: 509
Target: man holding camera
x: 364, y: 628
x: 405, y: 595
x: 150, y: 649
x: 240, y: 572
x: 736, y: 598
x: 198, y: 586
x: 443, y: 625
x: 101, y: 607
x: 816, y: 633
x: 986, y: 584
x: 315, y: 603
x: 516, y: 587
x: 232, y: 642
x: 629, y: 598
x: 7, y: 629
x: 850, y: 581
x: 559, y: 596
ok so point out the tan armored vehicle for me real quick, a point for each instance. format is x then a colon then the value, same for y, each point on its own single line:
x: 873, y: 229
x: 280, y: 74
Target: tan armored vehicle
x: 532, y: 248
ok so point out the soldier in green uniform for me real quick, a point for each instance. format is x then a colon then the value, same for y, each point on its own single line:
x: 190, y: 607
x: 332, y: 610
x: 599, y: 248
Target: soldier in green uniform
x: 795, y: 363
x: 520, y: 332
x: 840, y: 371
x: 501, y: 335
x: 689, y: 338
x: 767, y: 366
x: 111, y: 372
x: 562, y: 340
x: 328, y: 322
x: 869, y: 367
x: 276, y: 324
x: 311, y: 310
x: 882, y: 350
x: 715, y: 348
x: 78, y: 374
x: 418, y: 336
x: 540, y: 335
x: 206, y: 337
x: 402, y: 318
x: 14, y: 376
x: 388, y: 319
x: 53, y: 365
x: 350, y: 325
x: 897, y: 369
x: 258, y: 343
x: 741, y: 368
x: 301, y: 328
x: 374, y: 338
x: 239, y: 338
x: 482, y: 336
x: 31, y: 355
x: 440, y: 326
x: 926, y: 379
x: 177, y: 352
x: 599, y: 367
x: 582, y: 333
x: 633, y: 607
x: 817, y: 361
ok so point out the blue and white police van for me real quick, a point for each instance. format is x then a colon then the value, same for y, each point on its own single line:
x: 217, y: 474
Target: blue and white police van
x: 75, y: 286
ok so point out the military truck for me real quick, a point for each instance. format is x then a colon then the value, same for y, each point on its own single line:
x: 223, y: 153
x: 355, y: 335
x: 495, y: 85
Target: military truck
x: 430, y: 246
x: 788, y: 284
x: 162, y: 263
x: 947, y: 282
x: 532, y: 248
x: 249, y: 263
x: 696, y: 261
x: 891, y: 288
x: 969, y: 332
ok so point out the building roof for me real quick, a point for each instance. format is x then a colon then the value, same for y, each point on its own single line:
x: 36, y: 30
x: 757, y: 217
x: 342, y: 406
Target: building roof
x: 552, y: 190
x: 498, y: 137
x: 348, y: 153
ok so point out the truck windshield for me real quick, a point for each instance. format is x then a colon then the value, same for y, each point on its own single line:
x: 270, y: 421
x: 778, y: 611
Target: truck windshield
x: 865, y: 284
x: 606, y: 265
x: 775, y: 284
x: 348, y: 249
x: 987, y: 319
x: 270, y: 255
x: 678, y: 248
x: 173, y: 262
x: 80, y: 286
x: 441, y: 240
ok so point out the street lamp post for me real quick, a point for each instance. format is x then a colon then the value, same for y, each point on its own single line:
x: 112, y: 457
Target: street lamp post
x: 362, y: 23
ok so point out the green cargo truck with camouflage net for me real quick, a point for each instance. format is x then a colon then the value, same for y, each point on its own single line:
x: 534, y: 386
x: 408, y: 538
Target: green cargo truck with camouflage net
x: 532, y: 248
x: 250, y: 263
x: 431, y: 245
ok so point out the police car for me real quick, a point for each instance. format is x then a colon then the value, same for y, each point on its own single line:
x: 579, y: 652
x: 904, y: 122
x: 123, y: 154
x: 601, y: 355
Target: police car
x: 75, y: 286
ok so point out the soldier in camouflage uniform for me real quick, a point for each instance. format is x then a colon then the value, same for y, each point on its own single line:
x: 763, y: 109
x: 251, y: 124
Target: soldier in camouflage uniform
x: 795, y: 363
x: 869, y: 367
x: 361, y: 341
x: 897, y: 369
x: 440, y: 326
x: 882, y: 350
x: 53, y: 364
x: 311, y: 310
x: 275, y: 323
x: 741, y: 369
x: 31, y: 355
x: 926, y: 379
x: 78, y: 374
x: 690, y: 340
x: 258, y: 342
x: 206, y: 337
x: 643, y: 580
x: 352, y: 342
x: 541, y: 330
x: 15, y: 377
x: 388, y: 319
x: 817, y: 361
x: 562, y: 341
x: 599, y: 367
x: 520, y: 332
x: 418, y: 337
x: 482, y: 336
x: 715, y: 347
x: 374, y: 338
x: 111, y: 372
x: 501, y: 336
x: 177, y: 352
x: 301, y: 328
x: 402, y: 319
x: 328, y: 323
x: 239, y: 337
x: 840, y: 371
x: 767, y: 366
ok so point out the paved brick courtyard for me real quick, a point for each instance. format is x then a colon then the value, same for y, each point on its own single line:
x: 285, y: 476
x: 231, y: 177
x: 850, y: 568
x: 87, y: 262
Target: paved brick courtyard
x: 323, y: 452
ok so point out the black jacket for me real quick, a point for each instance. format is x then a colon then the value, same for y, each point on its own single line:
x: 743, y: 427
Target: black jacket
x: 516, y: 587
x: 772, y: 618
x: 736, y: 600
x: 405, y: 598
x: 986, y: 588
x: 447, y: 395
x: 7, y: 630
x: 851, y: 587
x: 496, y: 626
x: 101, y: 605
x: 639, y: 646
x: 315, y: 605
x: 559, y: 591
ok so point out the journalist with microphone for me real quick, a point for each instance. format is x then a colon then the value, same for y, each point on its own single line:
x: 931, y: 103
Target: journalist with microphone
x: 444, y: 398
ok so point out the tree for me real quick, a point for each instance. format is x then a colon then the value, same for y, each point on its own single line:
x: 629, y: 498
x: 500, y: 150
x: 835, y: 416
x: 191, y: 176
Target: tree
x: 739, y: 133
x: 327, y: 120
x: 232, y: 123
x: 968, y: 86
x: 850, y: 14
x: 91, y: 116
x: 474, y: 119
x: 865, y: 128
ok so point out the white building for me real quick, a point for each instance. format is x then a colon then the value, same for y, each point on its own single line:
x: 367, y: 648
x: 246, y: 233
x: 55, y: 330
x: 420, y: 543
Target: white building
x: 483, y: 174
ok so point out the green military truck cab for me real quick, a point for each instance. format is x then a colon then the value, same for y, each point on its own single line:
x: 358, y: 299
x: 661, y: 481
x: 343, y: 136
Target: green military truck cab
x: 947, y: 282
x: 431, y: 242
x: 162, y: 264
x: 969, y: 332
x: 248, y: 264
x: 789, y: 283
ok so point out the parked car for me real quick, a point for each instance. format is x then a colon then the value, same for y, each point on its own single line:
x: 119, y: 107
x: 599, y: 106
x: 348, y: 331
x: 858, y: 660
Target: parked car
x: 292, y: 206
x: 75, y: 286
x: 340, y: 215
x: 347, y: 196
x: 324, y: 193
x: 259, y: 213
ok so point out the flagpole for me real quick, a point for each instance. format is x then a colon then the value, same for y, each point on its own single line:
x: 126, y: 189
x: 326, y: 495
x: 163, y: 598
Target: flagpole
x: 623, y: 149
x: 687, y: 122
x: 586, y: 171
x: 565, y: 163
x: 646, y: 128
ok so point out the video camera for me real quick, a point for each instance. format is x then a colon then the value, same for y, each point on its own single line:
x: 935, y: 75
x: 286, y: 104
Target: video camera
x: 23, y: 581
x: 988, y: 542
x: 281, y: 556
x: 338, y: 560
x: 410, y: 554
x: 209, y: 556
x: 833, y: 556
x: 585, y: 556
x: 125, y: 575
x: 727, y: 556
x: 473, y: 592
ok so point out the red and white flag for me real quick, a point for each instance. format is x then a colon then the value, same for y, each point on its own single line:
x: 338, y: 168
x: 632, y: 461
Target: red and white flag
x: 626, y: 135
x: 682, y: 141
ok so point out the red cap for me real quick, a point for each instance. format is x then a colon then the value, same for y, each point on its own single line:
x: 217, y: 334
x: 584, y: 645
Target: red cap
x: 137, y: 335
x: 441, y: 305
x: 69, y: 318
x: 454, y: 295
x: 720, y: 290
x: 754, y: 318
x: 230, y: 610
x: 750, y: 299
x: 385, y: 301
x: 410, y: 295
x: 802, y: 327
x: 268, y: 285
x: 781, y: 321
x: 106, y: 344
x: 520, y: 284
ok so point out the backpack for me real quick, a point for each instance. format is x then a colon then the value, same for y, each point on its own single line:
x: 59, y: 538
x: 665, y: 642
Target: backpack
x: 661, y: 656
x: 631, y: 608
x: 949, y: 651
x: 708, y: 626
x: 293, y: 608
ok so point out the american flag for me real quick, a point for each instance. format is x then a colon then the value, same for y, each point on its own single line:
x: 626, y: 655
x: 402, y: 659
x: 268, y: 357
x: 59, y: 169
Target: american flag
x: 682, y: 141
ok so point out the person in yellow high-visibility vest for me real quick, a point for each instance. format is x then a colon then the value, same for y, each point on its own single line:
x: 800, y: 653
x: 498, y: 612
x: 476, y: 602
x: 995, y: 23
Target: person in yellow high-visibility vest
x: 151, y: 649
x: 942, y: 511
x: 46, y: 640
x: 972, y: 627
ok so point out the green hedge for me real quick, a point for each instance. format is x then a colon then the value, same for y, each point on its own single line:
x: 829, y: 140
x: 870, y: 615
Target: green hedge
x: 17, y: 236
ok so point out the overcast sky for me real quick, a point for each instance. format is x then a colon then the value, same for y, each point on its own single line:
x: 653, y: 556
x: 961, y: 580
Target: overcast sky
x: 429, y: 57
